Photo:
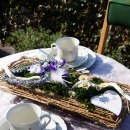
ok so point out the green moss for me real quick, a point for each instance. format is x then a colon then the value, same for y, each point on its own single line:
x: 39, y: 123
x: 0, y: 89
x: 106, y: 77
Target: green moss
x: 83, y: 95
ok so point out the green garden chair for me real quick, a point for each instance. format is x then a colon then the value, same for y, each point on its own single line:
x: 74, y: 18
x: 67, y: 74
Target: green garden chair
x: 117, y: 14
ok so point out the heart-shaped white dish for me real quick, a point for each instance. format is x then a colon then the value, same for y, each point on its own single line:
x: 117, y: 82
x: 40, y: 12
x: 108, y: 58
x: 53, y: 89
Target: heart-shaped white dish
x: 109, y: 100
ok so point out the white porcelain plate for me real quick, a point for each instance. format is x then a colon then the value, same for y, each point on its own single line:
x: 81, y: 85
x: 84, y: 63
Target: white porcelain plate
x: 91, y: 58
x: 60, y: 124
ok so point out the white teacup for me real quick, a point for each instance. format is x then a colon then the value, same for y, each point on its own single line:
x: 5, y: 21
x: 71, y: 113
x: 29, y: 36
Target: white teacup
x: 26, y: 116
x: 67, y: 48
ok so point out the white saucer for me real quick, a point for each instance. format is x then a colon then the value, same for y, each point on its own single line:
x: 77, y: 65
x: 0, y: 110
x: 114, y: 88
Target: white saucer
x: 60, y: 124
x: 91, y: 58
x: 81, y: 59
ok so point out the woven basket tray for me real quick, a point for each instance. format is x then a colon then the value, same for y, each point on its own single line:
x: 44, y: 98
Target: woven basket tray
x: 98, y: 115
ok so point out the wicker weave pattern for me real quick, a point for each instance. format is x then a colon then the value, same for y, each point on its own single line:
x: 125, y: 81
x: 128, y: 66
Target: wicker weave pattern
x: 99, y: 115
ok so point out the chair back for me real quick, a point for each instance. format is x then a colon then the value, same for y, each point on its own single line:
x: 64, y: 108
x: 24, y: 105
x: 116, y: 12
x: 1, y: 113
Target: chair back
x: 118, y: 14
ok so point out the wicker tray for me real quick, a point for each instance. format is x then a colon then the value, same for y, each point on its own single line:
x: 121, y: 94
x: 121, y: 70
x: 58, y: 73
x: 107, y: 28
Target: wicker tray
x: 99, y: 115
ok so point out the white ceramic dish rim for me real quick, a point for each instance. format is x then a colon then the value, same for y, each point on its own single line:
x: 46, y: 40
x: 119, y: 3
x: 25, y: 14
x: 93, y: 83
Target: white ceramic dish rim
x: 91, y: 58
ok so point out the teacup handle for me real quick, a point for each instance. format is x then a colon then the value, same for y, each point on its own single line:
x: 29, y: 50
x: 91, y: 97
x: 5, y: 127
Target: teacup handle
x: 46, y: 123
x: 53, y: 45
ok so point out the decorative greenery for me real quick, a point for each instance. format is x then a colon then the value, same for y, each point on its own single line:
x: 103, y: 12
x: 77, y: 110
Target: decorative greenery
x: 96, y: 80
x: 72, y: 84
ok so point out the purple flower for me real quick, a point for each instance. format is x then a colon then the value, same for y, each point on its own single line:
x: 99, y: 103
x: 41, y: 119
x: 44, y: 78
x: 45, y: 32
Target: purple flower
x: 54, y: 65
x: 62, y: 63
x: 66, y: 74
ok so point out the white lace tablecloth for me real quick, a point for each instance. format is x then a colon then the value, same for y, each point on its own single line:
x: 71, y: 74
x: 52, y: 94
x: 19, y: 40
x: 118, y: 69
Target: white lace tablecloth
x: 104, y: 67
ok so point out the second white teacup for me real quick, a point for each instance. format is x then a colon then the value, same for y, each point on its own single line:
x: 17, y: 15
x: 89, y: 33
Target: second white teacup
x: 26, y: 116
x: 67, y: 48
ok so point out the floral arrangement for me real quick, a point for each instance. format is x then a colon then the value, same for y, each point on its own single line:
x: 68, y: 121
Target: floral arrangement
x: 53, y: 76
x: 37, y: 74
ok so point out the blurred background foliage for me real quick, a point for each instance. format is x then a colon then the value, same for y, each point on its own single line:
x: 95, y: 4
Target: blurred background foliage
x: 37, y: 23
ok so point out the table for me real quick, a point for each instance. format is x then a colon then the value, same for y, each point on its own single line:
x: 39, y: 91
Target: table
x: 104, y: 67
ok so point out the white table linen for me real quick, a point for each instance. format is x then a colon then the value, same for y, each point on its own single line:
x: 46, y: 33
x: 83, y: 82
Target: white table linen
x: 103, y: 67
